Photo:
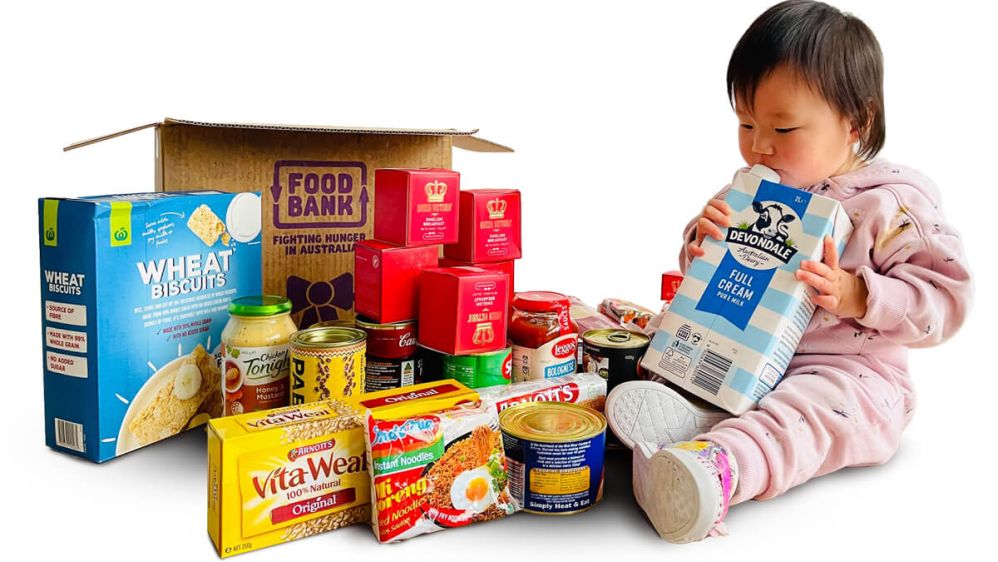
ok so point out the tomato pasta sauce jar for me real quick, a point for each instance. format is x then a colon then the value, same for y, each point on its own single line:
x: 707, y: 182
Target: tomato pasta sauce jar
x: 544, y: 336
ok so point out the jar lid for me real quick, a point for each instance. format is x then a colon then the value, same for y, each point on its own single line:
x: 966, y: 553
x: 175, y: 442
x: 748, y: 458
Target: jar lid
x: 541, y: 301
x: 259, y: 305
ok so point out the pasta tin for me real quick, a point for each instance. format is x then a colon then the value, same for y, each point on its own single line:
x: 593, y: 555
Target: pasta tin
x: 389, y: 341
x: 613, y: 354
x: 554, y: 453
x: 327, y: 363
x: 480, y: 369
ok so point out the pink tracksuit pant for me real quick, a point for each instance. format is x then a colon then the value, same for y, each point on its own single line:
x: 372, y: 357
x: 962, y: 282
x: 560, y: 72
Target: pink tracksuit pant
x: 847, y: 397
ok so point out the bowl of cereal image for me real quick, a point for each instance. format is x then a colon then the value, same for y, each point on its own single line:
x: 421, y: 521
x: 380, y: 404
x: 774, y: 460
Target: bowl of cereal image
x: 181, y: 394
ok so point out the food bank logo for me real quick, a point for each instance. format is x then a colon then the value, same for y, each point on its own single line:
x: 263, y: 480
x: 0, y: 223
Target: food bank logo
x: 435, y: 191
x: 319, y: 194
x: 496, y: 208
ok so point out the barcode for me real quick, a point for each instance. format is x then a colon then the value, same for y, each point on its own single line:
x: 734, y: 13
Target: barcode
x: 69, y: 435
x: 711, y: 372
x: 517, y: 479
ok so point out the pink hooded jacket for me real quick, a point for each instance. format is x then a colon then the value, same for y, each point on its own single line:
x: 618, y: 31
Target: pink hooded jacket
x: 911, y: 259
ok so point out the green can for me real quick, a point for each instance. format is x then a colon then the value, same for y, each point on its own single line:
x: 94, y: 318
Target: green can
x: 479, y: 370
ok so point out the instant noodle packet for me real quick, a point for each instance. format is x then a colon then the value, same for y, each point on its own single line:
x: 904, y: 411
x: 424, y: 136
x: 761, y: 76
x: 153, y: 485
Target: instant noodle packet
x: 279, y: 475
x: 437, y: 470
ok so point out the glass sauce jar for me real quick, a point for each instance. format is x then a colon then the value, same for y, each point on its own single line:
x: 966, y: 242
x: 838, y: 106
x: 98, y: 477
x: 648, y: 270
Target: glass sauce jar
x: 544, y: 336
x: 255, y: 354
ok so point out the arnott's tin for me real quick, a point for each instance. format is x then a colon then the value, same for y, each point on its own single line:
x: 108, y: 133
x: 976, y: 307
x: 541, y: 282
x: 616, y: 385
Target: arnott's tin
x: 613, y: 354
x: 554, y: 452
x: 327, y: 363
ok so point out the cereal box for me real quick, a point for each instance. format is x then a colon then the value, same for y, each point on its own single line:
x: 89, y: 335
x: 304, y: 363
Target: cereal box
x: 288, y: 473
x: 735, y: 322
x: 135, y: 290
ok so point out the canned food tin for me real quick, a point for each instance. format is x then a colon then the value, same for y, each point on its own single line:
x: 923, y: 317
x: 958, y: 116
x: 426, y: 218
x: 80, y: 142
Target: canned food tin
x: 613, y: 354
x: 332, y: 323
x: 389, y: 341
x: 326, y: 363
x: 387, y: 373
x: 480, y: 369
x: 554, y: 452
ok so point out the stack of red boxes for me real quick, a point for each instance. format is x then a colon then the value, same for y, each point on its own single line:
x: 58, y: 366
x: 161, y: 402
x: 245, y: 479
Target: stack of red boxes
x: 465, y: 305
x: 415, y: 211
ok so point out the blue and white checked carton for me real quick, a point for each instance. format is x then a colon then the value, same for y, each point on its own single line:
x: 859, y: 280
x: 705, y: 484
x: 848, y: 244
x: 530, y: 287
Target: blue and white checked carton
x: 740, y: 312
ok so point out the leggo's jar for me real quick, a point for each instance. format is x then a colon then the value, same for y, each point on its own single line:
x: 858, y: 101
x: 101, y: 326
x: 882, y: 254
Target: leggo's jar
x: 544, y: 336
x: 255, y: 354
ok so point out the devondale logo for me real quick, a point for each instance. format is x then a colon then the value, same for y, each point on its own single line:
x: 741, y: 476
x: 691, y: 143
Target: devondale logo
x: 319, y: 194
x: 435, y: 191
x: 769, y: 232
x: 496, y: 208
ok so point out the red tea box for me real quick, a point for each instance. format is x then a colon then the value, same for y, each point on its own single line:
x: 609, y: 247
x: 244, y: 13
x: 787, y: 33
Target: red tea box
x: 499, y: 267
x: 386, y: 282
x: 463, y: 310
x: 416, y: 206
x: 489, y: 226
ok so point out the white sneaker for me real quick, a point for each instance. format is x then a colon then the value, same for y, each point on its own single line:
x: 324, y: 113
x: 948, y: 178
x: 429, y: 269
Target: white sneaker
x: 685, y: 489
x: 651, y: 411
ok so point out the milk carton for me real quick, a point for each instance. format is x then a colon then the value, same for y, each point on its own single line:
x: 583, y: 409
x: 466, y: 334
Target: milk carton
x: 740, y: 312
x: 135, y: 293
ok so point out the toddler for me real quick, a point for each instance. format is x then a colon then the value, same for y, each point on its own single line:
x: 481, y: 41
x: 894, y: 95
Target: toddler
x: 806, y: 82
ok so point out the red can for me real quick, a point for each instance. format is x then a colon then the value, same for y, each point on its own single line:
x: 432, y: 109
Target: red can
x: 389, y: 341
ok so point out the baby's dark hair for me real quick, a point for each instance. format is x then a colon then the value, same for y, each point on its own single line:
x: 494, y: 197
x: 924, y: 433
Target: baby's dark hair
x: 834, y: 52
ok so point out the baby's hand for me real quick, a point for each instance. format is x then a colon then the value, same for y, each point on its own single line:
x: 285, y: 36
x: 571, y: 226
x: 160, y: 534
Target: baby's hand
x: 839, y: 292
x: 715, y: 215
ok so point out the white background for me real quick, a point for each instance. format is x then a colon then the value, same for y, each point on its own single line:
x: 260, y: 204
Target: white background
x: 622, y: 129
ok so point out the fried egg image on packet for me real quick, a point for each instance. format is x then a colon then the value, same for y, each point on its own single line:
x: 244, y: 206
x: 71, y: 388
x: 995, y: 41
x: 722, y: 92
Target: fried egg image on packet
x: 472, y: 490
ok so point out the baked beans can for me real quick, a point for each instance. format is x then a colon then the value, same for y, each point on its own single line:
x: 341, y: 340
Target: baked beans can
x: 327, y: 363
x: 396, y: 340
x: 480, y: 369
x: 554, y: 454
x: 384, y: 373
x: 613, y: 354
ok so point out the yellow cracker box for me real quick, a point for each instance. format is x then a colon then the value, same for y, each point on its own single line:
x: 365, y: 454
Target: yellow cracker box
x: 288, y: 473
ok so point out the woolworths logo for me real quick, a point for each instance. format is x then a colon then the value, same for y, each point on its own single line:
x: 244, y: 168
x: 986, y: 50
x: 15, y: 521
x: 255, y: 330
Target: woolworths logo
x: 121, y: 223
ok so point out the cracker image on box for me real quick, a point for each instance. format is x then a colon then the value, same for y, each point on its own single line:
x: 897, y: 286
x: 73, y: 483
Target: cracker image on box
x: 207, y: 226
x: 135, y: 293
x: 284, y: 474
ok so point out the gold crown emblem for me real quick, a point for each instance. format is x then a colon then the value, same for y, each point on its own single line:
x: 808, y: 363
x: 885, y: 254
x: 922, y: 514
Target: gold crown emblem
x: 496, y: 208
x: 435, y: 191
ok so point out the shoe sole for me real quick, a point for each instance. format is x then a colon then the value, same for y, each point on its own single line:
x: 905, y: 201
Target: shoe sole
x: 651, y: 411
x: 670, y: 487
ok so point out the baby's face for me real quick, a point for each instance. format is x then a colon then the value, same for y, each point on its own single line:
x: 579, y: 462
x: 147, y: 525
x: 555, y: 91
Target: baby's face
x: 794, y: 131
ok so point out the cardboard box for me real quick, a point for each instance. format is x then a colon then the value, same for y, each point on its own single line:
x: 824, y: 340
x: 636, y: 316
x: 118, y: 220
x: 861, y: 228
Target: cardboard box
x: 463, y: 310
x: 417, y: 206
x: 387, y: 279
x: 317, y: 186
x: 489, y: 226
x: 740, y: 312
x: 135, y: 292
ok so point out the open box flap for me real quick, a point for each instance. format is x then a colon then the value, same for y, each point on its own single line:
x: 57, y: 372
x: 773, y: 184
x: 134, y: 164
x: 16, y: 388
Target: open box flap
x: 461, y: 139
